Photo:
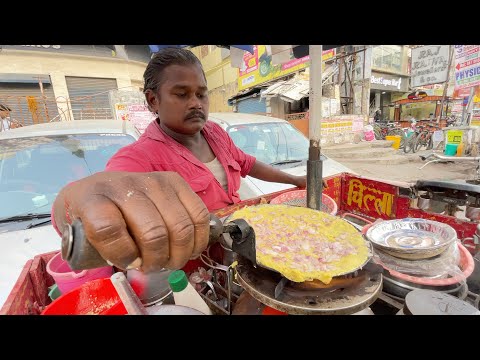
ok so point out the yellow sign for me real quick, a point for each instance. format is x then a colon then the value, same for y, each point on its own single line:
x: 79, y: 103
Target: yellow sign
x: 382, y: 201
x: 454, y: 136
x: 258, y: 68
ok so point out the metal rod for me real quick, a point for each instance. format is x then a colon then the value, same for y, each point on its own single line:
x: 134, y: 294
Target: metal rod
x: 445, y: 86
x: 44, y: 99
x: 314, y: 163
x: 315, y: 94
x: 129, y: 298
x: 469, y: 107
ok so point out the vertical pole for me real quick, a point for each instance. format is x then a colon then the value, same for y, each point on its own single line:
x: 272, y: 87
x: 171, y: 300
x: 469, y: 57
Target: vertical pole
x: 314, y: 163
x: 469, y: 107
x: 445, y: 87
x: 43, y: 98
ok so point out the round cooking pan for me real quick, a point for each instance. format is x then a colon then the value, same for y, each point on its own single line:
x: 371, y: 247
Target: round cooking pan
x: 227, y: 237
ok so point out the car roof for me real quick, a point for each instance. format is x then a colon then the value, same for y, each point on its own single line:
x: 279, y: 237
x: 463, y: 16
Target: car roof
x: 232, y: 119
x: 72, y: 127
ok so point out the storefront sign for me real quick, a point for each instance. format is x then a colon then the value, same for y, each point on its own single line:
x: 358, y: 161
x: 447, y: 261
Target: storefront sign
x: 93, y: 50
x: 257, y: 68
x: 454, y: 136
x: 357, y: 124
x: 467, y: 66
x: 121, y: 112
x: 140, y: 116
x: 368, y: 197
x: 388, y: 82
x: 430, y: 64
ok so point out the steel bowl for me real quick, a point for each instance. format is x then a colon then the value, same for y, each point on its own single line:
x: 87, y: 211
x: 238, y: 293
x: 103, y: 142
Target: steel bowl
x: 411, y: 238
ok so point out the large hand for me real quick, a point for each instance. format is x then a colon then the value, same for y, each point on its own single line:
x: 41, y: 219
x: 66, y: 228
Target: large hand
x: 300, y: 181
x: 155, y: 216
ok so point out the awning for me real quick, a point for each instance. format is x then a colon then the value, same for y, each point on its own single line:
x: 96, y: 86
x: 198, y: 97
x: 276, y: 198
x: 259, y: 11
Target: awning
x: 156, y: 48
x: 295, y: 88
x: 24, y: 78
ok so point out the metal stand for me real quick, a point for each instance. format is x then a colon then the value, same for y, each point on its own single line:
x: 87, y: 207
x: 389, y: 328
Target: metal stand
x: 440, y: 158
x: 226, y: 292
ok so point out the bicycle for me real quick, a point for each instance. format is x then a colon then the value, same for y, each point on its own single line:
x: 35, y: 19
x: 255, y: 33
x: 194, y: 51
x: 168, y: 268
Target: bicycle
x: 389, y: 129
x: 424, y: 138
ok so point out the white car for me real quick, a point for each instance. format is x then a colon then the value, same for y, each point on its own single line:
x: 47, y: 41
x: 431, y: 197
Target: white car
x: 37, y: 161
x: 273, y: 141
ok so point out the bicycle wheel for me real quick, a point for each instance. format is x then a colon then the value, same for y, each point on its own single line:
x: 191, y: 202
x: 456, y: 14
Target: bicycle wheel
x: 430, y: 143
x: 419, y: 142
x: 409, y: 143
x: 440, y: 146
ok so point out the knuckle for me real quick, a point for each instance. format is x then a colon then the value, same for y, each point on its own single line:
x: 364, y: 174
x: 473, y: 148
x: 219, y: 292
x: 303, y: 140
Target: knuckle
x: 107, y: 230
x: 155, y: 236
x: 183, y: 231
x: 200, y: 214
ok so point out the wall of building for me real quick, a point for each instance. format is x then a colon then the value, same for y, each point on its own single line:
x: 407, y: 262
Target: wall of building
x: 221, y: 76
x: 59, y: 65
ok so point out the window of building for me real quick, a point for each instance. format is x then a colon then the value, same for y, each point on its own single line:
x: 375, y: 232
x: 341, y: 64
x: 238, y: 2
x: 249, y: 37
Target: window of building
x: 204, y: 51
x: 388, y: 57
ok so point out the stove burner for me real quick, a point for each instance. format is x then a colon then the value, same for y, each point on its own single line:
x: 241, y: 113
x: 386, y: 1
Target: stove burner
x: 344, y: 295
x: 399, y: 288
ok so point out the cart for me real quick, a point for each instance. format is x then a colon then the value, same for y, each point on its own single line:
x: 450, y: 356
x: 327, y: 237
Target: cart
x: 360, y: 200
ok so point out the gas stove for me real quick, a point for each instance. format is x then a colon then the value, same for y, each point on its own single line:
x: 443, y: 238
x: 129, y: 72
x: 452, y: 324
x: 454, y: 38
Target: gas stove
x: 346, y: 294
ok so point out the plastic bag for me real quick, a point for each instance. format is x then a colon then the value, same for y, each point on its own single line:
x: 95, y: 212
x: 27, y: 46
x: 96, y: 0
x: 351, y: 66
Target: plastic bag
x: 439, y: 267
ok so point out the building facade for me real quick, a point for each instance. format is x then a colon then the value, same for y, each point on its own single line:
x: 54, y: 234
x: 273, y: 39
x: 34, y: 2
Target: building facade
x: 42, y: 83
x: 390, y: 78
x: 221, y: 76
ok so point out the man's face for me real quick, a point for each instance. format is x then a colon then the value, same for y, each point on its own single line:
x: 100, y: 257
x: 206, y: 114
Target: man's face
x: 4, y: 113
x: 182, y: 99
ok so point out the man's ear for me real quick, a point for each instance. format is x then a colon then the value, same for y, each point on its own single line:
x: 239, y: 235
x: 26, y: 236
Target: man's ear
x: 152, y: 100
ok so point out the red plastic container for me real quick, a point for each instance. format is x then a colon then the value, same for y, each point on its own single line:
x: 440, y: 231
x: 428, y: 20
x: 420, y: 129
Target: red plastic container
x: 96, y: 297
x: 299, y: 197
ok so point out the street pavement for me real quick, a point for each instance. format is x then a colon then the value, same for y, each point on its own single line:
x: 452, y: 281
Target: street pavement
x: 378, y: 159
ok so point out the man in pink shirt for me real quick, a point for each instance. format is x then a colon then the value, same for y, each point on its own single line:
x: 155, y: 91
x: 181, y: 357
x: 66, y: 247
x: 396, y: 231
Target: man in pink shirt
x: 150, y: 208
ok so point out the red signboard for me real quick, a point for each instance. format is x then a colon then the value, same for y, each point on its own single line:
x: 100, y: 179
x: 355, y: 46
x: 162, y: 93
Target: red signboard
x: 368, y: 197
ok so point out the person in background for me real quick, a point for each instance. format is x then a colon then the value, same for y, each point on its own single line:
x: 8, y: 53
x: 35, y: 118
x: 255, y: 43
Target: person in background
x: 5, y: 117
x: 378, y: 115
x: 150, y: 208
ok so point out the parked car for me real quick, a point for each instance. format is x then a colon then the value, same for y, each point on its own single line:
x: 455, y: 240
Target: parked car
x: 274, y: 141
x: 37, y: 161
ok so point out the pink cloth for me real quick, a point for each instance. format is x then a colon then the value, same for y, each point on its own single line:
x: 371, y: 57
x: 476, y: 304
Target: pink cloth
x: 156, y: 151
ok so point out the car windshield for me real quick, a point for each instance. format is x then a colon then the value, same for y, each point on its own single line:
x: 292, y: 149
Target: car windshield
x: 270, y: 142
x: 34, y: 169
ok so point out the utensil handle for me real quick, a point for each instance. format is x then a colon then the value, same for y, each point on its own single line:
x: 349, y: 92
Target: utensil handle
x: 129, y: 298
x: 77, y: 250
x: 81, y: 255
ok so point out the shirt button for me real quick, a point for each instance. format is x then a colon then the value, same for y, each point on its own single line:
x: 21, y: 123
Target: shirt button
x: 204, y: 192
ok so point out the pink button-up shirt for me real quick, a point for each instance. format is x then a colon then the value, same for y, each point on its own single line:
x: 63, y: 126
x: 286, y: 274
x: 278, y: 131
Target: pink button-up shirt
x: 156, y: 151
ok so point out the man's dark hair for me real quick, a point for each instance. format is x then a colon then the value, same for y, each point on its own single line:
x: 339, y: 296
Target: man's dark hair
x: 164, y: 58
x: 4, y: 108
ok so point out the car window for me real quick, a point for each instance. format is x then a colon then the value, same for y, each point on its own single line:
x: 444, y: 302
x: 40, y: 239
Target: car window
x: 270, y: 142
x: 34, y: 169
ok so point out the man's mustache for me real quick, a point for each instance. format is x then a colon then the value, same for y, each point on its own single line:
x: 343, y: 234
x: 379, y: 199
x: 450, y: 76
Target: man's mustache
x: 195, y: 114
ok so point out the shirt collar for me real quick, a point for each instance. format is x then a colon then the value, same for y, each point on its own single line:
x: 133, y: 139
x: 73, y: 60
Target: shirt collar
x: 155, y: 132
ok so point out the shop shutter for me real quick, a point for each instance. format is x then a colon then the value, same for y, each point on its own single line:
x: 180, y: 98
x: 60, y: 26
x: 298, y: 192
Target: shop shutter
x: 14, y: 95
x: 89, y: 97
x: 252, y: 105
